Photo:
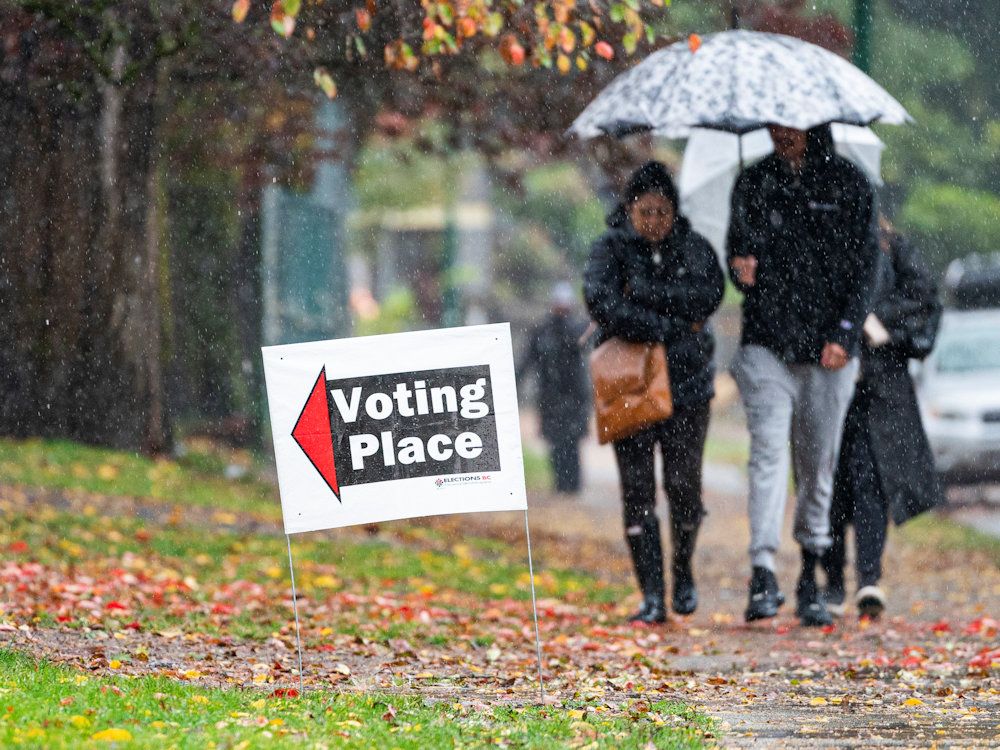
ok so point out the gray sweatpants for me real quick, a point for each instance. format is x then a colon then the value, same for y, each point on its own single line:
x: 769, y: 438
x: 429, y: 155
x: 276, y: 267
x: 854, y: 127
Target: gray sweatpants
x: 807, y: 403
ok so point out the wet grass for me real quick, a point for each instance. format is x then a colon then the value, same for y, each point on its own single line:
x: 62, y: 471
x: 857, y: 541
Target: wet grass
x: 193, y: 561
x: 197, y: 478
x: 935, y: 530
x: 53, y: 707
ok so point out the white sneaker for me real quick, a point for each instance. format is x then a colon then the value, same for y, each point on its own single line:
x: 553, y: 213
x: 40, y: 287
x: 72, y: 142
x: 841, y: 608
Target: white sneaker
x: 870, y: 601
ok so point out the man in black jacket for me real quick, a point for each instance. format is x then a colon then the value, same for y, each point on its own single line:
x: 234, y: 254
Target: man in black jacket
x: 802, y: 250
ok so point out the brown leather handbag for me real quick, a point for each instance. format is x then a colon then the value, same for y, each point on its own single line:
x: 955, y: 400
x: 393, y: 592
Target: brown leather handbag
x: 631, y: 387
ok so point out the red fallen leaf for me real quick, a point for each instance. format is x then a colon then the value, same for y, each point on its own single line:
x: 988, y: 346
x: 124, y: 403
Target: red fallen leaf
x: 985, y: 625
x: 694, y: 42
x: 64, y: 618
x: 390, y: 714
x: 134, y: 625
x: 782, y: 629
x: 19, y: 546
x: 984, y: 660
x: 605, y: 50
x: 284, y: 693
x: 115, y: 605
x: 941, y: 627
x: 829, y: 629
x: 222, y: 609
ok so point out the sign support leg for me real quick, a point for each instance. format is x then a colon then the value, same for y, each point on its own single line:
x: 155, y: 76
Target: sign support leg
x: 534, y: 607
x: 295, y: 608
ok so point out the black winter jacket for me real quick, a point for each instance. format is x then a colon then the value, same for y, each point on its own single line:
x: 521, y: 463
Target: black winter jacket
x: 634, y: 297
x: 813, y: 234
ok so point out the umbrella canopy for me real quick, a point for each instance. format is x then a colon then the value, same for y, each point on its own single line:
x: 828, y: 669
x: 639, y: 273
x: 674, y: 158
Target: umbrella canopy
x: 712, y: 162
x: 737, y: 81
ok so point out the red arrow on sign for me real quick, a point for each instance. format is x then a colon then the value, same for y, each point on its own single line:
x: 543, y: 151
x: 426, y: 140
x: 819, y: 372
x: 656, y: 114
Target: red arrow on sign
x: 314, y: 434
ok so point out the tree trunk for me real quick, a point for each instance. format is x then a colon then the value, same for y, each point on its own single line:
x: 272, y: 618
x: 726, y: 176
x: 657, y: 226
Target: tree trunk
x: 79, y: 254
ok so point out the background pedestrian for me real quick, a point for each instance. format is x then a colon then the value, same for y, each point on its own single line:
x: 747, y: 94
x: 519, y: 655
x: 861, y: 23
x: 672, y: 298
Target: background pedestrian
x: 555, y: 353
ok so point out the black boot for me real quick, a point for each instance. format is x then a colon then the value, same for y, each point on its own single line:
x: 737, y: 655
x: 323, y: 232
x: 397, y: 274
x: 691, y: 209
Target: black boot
x: 685, y: 594
x: 810, y: 609
x: 765, y: 598
x: 647, y: 557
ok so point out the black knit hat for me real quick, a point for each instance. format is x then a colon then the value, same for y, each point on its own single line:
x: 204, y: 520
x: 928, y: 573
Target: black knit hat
x: 651, y: 177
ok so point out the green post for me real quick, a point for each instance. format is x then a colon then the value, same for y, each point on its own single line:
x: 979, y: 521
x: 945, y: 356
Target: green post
x: 451, y: 315
x: 863, y: 12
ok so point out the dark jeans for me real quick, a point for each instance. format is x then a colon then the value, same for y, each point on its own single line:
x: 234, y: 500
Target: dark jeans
x: 864, y: 506
x: 682, y: 443
x: 565, y: 457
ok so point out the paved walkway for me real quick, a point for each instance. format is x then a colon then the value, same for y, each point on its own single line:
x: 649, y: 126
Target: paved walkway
x: 918, y: 678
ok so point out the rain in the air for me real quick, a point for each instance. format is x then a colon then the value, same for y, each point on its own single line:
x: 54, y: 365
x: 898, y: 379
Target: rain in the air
x: 492, y: 373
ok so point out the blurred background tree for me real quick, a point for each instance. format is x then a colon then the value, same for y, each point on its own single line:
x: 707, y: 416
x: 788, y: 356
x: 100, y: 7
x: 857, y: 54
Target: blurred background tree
x: 138, y: 138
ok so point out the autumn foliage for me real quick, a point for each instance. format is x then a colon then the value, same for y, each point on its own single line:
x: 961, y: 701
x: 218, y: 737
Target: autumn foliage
x: 560, y: 34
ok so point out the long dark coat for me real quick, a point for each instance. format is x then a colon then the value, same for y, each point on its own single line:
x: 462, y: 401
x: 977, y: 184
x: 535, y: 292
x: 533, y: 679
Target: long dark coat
x: 554, y: 352
x: 665, y: 293
x: 884, y: 408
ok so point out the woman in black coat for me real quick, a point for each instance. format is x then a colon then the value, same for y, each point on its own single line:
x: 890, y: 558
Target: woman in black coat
x: 651, y: 278
x: 886, y: 468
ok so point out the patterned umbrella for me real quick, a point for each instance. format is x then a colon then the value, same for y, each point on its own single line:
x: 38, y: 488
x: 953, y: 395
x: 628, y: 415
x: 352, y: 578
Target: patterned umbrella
x: 737, y: 81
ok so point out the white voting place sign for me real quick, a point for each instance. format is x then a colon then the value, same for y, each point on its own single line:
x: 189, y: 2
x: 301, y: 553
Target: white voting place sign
x: 378, y: 428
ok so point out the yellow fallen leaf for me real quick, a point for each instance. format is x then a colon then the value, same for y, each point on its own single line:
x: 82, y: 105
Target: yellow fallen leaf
x: 192, y: 674
x: 80, y: 722
x: 913, y: 702
x: 199, y: 699
x: 115, y: 664
x: 107, y: 472
x: 112, y: 735
x: 326, y: 631
x: 819, y: 700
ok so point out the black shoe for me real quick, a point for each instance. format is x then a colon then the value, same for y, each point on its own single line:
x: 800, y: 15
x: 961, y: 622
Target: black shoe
x: 685, y: 593
x: 810, y: 608
x: 653, y: 610
x: 834, y: 597
x: 765, y: 599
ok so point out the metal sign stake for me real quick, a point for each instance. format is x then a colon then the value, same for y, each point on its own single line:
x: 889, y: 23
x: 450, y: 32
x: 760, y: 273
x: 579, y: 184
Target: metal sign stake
x: 295, y: 608
x: 534, y: 607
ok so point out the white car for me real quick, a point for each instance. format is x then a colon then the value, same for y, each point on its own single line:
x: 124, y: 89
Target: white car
x: 958, y: 388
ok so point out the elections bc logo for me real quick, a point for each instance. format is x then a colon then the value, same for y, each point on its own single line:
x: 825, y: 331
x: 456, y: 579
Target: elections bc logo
x: 381, y: 428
